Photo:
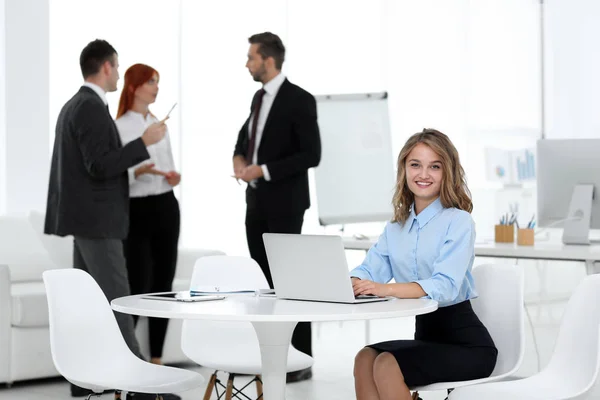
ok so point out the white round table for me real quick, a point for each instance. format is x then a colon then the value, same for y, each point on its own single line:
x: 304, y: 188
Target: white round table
x: 274, y: 321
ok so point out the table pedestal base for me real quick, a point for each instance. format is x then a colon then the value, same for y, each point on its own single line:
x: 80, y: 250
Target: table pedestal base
x: 274, y: 339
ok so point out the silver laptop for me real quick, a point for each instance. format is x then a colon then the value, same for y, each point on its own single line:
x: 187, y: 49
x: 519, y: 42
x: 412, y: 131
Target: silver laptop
x: 311, y: 267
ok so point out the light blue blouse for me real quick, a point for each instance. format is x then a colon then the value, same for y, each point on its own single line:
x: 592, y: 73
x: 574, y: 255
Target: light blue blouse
x: 434, y: 249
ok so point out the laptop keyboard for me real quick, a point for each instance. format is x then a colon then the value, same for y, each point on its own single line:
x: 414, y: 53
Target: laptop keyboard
x: 365, y: 296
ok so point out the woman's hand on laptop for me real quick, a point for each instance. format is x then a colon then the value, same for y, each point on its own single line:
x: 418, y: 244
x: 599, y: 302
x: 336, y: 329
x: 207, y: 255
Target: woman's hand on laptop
x: 363, y: 286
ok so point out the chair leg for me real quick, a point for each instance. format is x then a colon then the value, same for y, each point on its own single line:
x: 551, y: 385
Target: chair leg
x: 259, y: 390
x: 210, y: 387
x: 415, y: 395
x: 229, y: 391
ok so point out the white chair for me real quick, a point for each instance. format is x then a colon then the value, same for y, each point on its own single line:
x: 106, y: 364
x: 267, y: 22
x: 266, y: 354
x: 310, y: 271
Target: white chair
x: 226, y: 346
x: 88, y: 348
x: 500, y: 306
x: 573, y: 369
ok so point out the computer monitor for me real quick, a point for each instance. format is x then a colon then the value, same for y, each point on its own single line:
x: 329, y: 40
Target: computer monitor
x: 568, y: 185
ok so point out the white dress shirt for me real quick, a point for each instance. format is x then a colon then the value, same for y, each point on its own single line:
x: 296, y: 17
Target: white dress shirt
x: 99, y: 91
x: 131, y: 126
x: 271, y: 88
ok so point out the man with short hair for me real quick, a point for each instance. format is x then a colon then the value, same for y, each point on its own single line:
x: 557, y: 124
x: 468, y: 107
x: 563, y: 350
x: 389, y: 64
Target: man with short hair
x: 276, y: 146
x: 88, y: 193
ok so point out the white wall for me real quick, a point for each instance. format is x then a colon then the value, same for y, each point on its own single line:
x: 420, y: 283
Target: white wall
x: 26, y: 156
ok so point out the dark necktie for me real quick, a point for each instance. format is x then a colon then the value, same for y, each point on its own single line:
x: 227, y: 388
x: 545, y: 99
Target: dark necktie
x: 252, y: 141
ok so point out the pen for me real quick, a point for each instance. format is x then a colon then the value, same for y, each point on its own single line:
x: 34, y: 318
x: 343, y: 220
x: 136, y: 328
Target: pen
x: 531, y: 223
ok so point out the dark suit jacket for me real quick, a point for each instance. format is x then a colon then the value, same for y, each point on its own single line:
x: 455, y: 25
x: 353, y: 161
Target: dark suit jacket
x: 289, y: 146
x: 88, y: 193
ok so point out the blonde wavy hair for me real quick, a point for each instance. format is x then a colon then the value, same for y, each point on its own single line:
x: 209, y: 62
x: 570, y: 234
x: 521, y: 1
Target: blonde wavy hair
x: 453, y: 191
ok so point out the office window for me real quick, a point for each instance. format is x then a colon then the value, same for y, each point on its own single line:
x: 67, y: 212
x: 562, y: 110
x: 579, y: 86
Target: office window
x: 468, y: 68
x: 572, y: 63
x: 503, y: 97
x: 427, y: 64
x: 2, y: 116
x: 338, y: 51
x: 142, y: 31
x: 215, y: 101
x: 503, y: 100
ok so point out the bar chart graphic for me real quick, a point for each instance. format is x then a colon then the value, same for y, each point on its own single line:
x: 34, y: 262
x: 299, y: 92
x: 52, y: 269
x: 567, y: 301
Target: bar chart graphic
x: 510, y: 166
x: 525, y: 166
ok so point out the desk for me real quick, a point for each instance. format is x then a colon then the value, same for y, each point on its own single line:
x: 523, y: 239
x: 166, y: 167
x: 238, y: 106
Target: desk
x: 274, y: 321
x: 551, y: 249
x: 541, y: 250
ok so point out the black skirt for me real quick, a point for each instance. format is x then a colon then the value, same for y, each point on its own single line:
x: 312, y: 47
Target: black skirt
x: 451, y: 344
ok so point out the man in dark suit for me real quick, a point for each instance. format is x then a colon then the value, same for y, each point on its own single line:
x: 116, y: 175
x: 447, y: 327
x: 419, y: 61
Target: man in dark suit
x: 276, y: 146
x: 88, y: 194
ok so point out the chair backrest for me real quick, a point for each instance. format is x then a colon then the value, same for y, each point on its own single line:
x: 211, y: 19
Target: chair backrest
x: 500, y: 306
x: 235, y: 273
x: 84, y: 335
x: 576, y: 356
x: 186, y: 259
x: 22, y: 250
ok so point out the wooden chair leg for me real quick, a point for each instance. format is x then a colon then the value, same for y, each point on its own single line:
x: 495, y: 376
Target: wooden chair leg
x: 211, y: 386
x: 415, y: 396
x: 229, y: 391
x: 259, y: 390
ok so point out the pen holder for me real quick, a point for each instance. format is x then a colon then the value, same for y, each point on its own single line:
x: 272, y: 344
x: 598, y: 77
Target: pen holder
x: 504, y: 233
x: 525, y: 237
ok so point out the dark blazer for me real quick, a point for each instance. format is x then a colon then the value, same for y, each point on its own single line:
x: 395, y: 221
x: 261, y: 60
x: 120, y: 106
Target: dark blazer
x: 88, y: 193
x: 289, y: 146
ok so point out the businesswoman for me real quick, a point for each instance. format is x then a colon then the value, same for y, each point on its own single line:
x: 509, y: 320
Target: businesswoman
x: 151, y: 246
x: 428, y: 248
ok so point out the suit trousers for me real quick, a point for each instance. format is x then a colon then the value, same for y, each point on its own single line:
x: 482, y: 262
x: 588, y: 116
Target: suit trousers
x: 257, y: 224
x: 104, y: 260
x: 151, y: 253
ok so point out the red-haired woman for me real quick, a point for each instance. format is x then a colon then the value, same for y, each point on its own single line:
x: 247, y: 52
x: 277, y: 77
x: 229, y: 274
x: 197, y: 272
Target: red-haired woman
x: 151, y: 247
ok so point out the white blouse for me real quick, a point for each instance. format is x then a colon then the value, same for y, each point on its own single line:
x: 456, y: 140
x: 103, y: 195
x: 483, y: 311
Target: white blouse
x: 131, y: 126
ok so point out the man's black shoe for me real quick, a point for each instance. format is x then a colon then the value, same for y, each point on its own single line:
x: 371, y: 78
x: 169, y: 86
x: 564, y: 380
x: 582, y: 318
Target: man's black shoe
x: 298, y: 376
x: 148, y: 396
x: 77, y: 391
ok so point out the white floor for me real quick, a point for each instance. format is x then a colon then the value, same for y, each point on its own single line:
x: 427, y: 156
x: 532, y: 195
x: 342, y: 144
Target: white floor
x: 335, y: 344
